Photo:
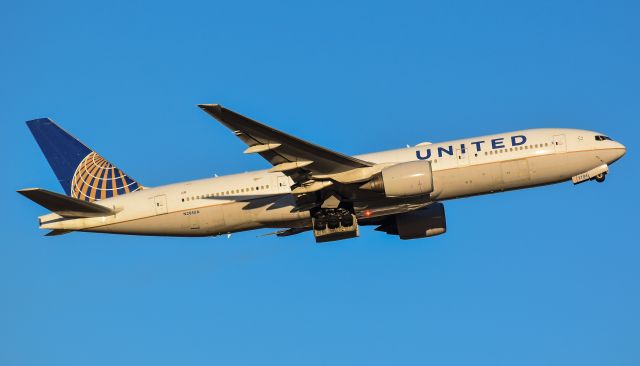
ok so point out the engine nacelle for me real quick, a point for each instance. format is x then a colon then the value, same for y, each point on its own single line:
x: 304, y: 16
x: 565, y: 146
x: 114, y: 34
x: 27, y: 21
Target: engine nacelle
x: 413, y: 178
x: 423, y: 223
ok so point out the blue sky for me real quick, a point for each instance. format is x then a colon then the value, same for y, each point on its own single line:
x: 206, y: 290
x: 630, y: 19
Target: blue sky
x: 542, y: 276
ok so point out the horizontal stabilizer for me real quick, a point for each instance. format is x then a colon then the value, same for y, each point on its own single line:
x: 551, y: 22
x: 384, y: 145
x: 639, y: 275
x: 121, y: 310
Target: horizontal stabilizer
x: 287, y: 232
x: 64, y: 205
x: 57, y: 232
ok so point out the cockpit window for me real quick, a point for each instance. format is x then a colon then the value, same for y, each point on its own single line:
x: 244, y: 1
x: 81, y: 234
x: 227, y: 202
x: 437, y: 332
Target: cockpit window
x: 603, y: 138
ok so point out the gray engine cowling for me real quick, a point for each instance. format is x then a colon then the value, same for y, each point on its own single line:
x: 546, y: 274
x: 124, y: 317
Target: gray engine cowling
x: 422, y: 223
x: 413, y: 178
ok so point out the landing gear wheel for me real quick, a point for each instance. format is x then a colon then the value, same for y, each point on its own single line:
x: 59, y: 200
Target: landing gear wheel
x: 321, y: 224
x: 346, y: 221
x: 600, y: 177
x: 333, y: 222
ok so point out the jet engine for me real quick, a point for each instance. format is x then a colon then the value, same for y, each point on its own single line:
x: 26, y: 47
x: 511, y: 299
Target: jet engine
x: 422, y: 223
x: 413, y: 178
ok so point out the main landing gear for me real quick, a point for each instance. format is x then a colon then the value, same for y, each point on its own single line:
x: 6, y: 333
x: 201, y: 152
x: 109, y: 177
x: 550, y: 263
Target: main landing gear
x: 600, y: 177
x: 332, y: 219
x: 334, y: 224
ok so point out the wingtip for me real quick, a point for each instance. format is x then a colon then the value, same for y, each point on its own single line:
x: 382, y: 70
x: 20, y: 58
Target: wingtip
x: 209, y: 106
x: 214, y: 110
x: 25, y: 191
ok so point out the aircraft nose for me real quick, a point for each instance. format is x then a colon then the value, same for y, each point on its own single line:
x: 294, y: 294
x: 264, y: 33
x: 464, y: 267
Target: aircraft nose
x: 620, y: 150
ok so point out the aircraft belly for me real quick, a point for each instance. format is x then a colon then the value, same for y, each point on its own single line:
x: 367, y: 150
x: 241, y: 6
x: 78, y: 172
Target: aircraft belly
x: 513, y: 174
x: 470, y: 180
x: 559, y: 167
x: 170, y: 224
x: 273, y: 211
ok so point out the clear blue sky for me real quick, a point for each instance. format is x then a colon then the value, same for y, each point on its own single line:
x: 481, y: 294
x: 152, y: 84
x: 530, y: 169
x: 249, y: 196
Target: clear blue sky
x: 547, y: 276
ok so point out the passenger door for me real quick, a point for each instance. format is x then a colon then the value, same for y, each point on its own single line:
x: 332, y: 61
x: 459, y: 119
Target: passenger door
x: 560, y: 143
x: 160, y: 203
x: 283, y: 184
x: 462, y: 157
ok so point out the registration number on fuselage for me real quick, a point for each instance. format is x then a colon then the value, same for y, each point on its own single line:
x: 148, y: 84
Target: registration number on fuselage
x: 192, y: 212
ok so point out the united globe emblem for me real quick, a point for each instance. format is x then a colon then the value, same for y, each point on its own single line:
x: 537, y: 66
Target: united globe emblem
x: 96, y: 179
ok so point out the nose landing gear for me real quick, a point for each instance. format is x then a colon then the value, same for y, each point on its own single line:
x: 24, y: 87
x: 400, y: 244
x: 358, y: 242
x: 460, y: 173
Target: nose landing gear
x: 598, y: 174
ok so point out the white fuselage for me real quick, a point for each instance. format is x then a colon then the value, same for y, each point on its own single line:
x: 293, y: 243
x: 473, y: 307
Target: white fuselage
x: 260, y: 199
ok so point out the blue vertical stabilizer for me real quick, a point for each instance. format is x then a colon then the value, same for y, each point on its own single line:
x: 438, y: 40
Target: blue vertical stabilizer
x: 82, y: 173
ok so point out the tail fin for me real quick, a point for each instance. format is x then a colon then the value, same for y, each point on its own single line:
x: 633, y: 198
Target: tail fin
x: 83, y: 173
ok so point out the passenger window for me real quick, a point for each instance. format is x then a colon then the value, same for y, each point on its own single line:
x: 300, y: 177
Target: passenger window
x: 183, y: 200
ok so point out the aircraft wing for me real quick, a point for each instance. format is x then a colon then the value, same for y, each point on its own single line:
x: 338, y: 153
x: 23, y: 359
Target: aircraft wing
x: 293, y: 156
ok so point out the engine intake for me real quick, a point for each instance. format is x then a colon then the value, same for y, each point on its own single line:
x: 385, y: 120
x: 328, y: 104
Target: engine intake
x: 403, y: 180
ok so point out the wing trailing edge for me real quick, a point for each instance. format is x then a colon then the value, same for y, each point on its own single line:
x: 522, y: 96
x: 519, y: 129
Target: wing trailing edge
x: 285, y: 152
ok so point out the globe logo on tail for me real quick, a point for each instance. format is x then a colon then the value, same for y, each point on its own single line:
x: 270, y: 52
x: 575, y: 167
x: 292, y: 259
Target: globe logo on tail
x: 96, y: 179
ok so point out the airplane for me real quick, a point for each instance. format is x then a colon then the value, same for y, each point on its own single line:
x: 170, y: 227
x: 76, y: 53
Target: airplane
x: 310, y: 187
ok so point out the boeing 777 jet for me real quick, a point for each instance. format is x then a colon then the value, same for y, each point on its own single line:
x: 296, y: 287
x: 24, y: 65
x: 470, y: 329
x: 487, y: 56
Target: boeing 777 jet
x: 310, y: 187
